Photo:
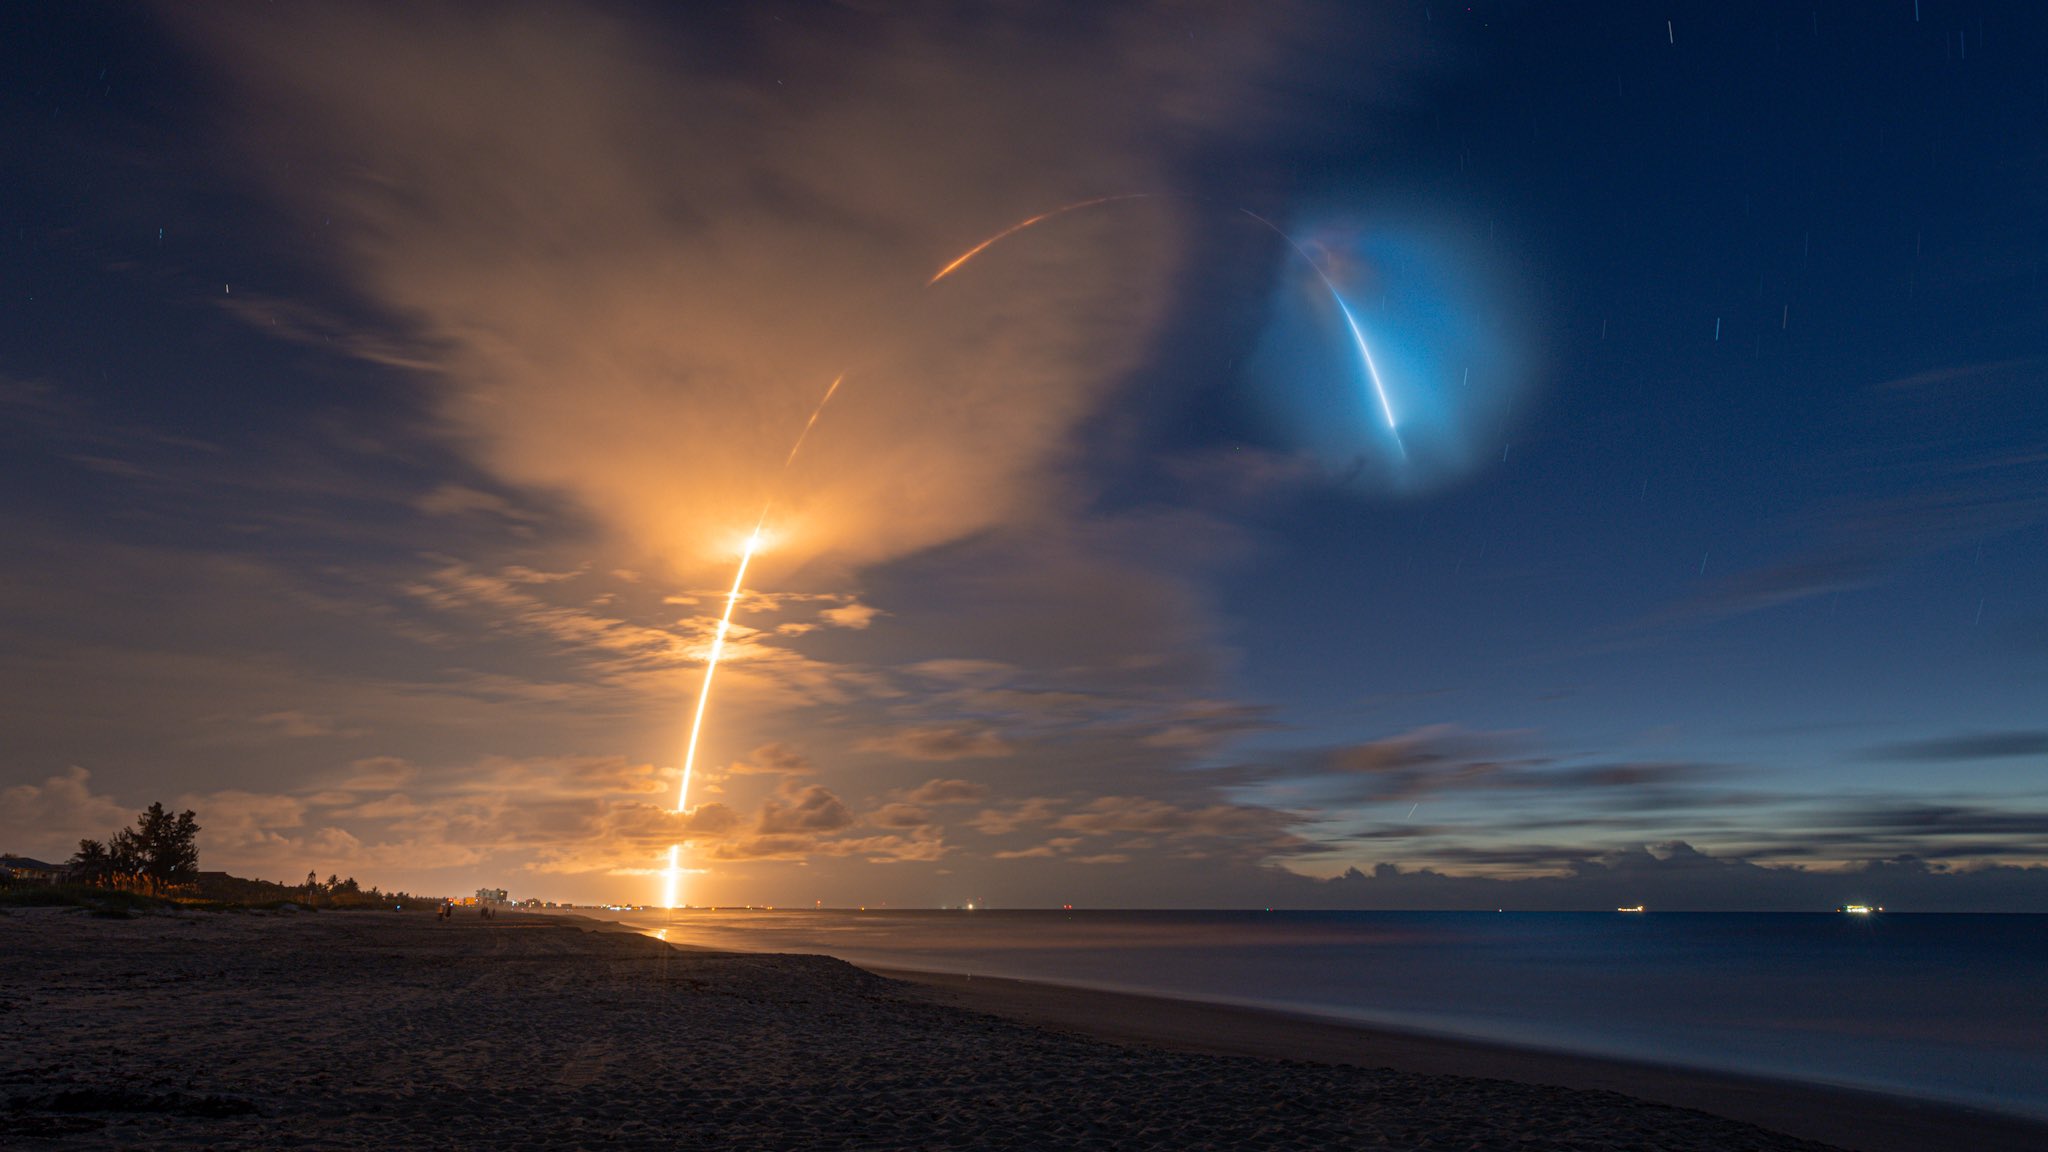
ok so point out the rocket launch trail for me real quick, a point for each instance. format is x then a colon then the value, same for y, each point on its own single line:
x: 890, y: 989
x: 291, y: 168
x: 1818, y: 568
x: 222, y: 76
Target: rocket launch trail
x: 808, y: 425
x: 732, y: 599
x: 1021, y: 225
x: 1372, y: 371
x: 753, y: 544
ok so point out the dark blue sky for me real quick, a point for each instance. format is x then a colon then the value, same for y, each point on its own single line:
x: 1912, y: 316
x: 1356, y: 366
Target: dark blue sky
x: 384, y: 389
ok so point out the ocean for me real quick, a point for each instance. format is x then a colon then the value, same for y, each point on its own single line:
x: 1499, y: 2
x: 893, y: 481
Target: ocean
x: 1944, y: 1007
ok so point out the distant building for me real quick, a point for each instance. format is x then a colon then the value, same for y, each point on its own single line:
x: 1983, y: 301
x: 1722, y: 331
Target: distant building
x: 491, y: 897
x: 28, y: 870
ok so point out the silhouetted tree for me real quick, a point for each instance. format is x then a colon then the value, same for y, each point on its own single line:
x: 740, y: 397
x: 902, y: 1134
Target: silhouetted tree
x: 160, y: 852
x: 165, y: 847
x: 93, y: 864
x: 124, y: 858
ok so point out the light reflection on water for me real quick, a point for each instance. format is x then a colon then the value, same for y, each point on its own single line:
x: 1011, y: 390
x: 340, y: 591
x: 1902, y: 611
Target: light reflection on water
x: 1952, y: 1007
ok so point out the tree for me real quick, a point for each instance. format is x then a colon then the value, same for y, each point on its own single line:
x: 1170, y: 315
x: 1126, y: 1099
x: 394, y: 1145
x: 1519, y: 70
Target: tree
x: 166, y: 847
x: 160, y: 852
x: 124, y: 859
x: 93, y: 864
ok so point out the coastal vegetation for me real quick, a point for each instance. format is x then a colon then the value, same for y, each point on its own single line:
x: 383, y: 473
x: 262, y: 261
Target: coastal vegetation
x: 155, y: 865
x: 158, y: 855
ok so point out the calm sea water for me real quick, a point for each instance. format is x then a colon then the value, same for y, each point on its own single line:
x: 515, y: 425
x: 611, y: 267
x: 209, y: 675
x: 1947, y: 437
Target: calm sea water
x: 1939, y: 1006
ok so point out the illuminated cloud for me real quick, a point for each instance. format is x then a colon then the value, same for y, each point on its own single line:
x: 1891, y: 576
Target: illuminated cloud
x: 771, y: 760
x: 900, y: 816
x: 55, y: 814
x: 855, y: 616
x: 811, y: 808
x: 946, y: 792
x: 634, y: 275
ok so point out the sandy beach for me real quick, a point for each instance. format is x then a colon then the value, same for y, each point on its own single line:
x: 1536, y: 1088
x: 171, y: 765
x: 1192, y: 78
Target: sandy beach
x: 387, y: 1030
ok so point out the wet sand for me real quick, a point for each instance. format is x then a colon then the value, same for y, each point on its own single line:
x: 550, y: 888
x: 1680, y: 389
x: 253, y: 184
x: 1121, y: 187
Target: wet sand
x: 386, y: 1030
x: 1866, y: 1121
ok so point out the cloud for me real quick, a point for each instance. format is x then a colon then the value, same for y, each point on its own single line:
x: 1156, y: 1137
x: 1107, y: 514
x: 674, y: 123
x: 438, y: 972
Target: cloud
x: 1929, y: 824
x: 900, y: 816
x: 47, y: 820
x: 460, y: 499
x: 1014, y: 815
x: 1443, y: 760
x: 1203, y: 725
x: 1786, y: 582
x: 798, y: 810
x: 1972, y: 746
x: 553, y: 194
x: 709, y: 820
x: 855, y: 615
x: 917, y: 846
x: 395, y: 806
x: 1111, y: 814
x: 1678, y: 877
x: 294, y: 724
x: 1056, y: 846
x: 946, y: 792
x: 1946, y: 457
x: 614, y: 647
x: 1143, y: 824
x: 953, y: 742
x: 235, y: 821
x: 375, y: 774
x: 771, y: 760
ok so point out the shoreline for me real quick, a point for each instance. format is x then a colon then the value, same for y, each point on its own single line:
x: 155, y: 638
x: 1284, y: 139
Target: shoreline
x: 1862, y: 1119
x: 370, y: 1030
x: 1850, y: 1118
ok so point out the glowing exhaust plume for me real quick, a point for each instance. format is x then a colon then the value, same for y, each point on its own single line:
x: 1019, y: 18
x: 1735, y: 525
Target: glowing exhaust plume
x: 732, y: 599
x: 1372, y: 371
x: 1013, y: 229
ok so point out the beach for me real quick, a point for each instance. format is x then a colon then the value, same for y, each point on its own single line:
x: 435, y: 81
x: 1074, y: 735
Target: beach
x: 380, y: 1030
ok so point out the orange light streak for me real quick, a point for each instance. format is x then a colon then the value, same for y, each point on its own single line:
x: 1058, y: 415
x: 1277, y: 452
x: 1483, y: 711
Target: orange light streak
x: 711, y: 668
x: 1013, y: 229
x: 808, y: 424
x: 732, y: 599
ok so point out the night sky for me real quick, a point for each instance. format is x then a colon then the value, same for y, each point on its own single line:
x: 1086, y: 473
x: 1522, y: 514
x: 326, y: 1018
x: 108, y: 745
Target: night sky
x: 387, y: 392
